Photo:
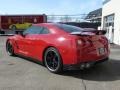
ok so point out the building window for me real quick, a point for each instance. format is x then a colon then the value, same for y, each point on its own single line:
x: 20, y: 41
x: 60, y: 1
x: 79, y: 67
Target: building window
x: 108, y: 25
x: 108, y: 21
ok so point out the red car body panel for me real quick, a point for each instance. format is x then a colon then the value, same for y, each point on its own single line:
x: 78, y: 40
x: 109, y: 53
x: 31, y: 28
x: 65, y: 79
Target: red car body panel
x: 34, y: 45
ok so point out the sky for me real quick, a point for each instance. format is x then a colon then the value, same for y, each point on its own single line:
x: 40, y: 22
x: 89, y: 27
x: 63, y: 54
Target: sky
x: 49, y: 7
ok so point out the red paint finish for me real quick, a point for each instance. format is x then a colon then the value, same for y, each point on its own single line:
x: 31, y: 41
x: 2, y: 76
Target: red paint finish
x: 73, y: 49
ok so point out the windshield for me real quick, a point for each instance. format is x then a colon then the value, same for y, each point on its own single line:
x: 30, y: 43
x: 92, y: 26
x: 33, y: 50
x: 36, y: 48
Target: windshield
x: 69, y: 28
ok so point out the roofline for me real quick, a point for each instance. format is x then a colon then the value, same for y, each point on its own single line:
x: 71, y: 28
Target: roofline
x: 23, y: 15
x: 99, y: 17
x: 95, y: 10
x: 106, y: 1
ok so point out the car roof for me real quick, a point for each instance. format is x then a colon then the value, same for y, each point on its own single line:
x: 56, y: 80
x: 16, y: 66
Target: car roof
x: 52, y: 27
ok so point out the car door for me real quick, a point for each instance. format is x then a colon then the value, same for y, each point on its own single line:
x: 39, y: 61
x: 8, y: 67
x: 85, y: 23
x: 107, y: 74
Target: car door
x: 22, y: 42
x: 39, y: 43
x: 31, y: 40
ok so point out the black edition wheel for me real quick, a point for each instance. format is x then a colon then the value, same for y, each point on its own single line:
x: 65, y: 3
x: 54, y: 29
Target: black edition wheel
x: 53, y: 60
x: 9, y: 49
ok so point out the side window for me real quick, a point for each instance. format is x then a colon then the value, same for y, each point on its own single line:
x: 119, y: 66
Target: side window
x: 45, y: 31
x: 33, y: 30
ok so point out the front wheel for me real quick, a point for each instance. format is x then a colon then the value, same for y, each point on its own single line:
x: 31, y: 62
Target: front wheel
x: 53, y: 60
x: 9, y: 48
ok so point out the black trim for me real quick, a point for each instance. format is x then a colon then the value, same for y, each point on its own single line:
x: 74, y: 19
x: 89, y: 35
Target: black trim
x: 78, y: 66
x: 30, y: 59
x: 101, y: 61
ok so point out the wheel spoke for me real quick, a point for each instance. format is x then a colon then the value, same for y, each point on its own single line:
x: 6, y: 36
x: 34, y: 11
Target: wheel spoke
x: 52, y: 60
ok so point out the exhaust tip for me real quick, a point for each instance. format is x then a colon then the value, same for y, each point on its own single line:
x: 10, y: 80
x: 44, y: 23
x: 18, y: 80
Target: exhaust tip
x: 88, y: 65
x: 82, y: 66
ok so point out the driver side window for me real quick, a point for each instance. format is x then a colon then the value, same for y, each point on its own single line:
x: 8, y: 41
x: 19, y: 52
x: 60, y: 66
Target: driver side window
x: 33, y: 30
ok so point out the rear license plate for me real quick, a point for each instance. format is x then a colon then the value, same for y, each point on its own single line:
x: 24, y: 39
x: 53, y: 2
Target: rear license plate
x: 101, y: 51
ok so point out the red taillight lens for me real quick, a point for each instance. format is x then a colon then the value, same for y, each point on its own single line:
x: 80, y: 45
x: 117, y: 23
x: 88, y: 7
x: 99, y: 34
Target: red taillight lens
x: 80, y: 42
x: 90, y: 42
x: 104, y: 40
x: 84, y: 43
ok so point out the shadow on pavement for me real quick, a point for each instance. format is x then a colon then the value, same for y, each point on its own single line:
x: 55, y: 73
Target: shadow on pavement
x: 108, y: 71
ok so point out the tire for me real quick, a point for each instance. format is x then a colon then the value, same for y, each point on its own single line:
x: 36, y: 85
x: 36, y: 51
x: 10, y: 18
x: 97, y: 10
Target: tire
x: 13, y: 27
x: 9, y: 48
x: 53, y: 60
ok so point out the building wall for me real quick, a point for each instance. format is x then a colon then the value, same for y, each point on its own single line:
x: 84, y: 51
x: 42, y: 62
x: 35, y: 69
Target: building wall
x: 113, y: 7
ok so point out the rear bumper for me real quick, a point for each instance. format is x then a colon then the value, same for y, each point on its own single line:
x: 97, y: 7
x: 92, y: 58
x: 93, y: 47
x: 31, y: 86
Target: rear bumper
x: 84, y: 65
x: 92, y: 55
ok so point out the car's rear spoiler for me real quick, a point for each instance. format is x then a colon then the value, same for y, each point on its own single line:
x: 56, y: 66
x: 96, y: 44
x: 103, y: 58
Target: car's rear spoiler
x: 90, y: 32
x: 100, y: 32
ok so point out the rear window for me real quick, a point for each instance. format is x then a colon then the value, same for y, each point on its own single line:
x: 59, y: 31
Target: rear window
x: 69, y: 28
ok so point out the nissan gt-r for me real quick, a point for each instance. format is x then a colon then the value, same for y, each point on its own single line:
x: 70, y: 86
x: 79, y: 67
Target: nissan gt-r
x: 58, y: 45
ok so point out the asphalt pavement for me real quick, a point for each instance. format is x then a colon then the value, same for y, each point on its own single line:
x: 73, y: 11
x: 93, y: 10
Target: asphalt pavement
x: 17, y: 73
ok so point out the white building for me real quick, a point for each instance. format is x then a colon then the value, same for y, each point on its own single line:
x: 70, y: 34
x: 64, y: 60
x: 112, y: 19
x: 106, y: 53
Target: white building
x: 111, y: 20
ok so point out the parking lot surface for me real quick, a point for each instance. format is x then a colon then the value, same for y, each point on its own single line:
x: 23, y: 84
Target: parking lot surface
x: 17, y: 73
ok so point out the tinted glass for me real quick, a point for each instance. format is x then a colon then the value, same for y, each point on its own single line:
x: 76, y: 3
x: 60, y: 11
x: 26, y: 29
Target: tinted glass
x: 45, y: 31
x: 33, y: 30
x: 69, y: 28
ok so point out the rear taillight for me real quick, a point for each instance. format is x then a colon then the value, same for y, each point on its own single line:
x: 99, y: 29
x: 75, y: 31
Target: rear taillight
x: 104, y: 40
x: 84, y: 43
x: 80, y: 42
x: 90, y: 43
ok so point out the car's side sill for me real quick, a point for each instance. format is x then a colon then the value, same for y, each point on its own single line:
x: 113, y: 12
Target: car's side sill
x: 30, y: 59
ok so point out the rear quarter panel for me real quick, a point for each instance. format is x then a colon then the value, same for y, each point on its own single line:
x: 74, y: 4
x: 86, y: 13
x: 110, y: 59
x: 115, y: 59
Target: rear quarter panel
x: 63, y: 43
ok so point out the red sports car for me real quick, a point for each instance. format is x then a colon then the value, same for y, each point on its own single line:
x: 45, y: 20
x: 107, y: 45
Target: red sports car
x: 59, y: 45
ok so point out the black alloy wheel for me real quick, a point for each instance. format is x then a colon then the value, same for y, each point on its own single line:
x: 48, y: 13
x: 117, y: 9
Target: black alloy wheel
x: 9, y: 49
x: 53, y: 60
